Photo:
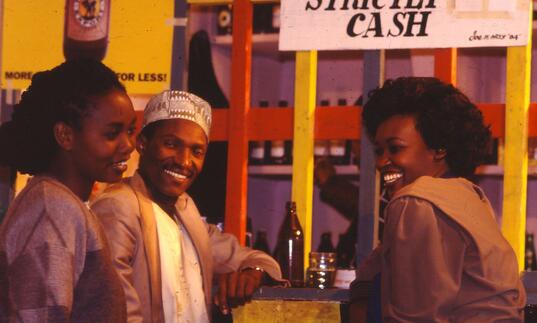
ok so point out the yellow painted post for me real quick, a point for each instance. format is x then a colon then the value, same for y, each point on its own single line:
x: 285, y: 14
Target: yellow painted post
x: 303, y: 136
x: 516, y: 150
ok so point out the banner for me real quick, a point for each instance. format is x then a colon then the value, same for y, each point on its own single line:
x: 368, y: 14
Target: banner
x: 137, y: 39
x: 386, y: 24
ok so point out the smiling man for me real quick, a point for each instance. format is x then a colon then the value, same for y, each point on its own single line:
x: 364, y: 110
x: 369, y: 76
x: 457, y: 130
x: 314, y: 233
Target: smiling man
x: 164, y: 252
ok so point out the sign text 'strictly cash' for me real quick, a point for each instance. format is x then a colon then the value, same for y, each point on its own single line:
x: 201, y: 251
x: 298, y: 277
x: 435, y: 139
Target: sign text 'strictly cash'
x: 408, y: 17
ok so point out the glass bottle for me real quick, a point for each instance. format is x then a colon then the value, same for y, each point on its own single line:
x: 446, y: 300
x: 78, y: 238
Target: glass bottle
x: 280, y: 150
x: 530, y: 263
x: 261, y: 242
x: 289, y: 250
x: 257, y: 148
x: 320, y: 148
x: 86, y: 29
x: 322, y: 270
x: 326, y: 243
x: 338, y: 150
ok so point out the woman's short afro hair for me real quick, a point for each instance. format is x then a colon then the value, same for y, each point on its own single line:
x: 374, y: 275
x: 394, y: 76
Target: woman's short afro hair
x: 445, y: 118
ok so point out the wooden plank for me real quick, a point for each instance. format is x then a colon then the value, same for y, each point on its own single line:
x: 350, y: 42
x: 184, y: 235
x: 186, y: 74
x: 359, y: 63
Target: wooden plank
x: 241, y: 65
x: 445, y: 65
x: 369, y: 180
x: 336, y: 123
x: 302, y: 180
x: 261, y: 311
x: 516, y: 142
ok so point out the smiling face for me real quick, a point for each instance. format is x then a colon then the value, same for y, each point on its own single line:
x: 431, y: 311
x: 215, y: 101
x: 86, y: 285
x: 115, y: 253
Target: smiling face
x: 103, y: 145
x: 173, y: 156
x: 401, y: 154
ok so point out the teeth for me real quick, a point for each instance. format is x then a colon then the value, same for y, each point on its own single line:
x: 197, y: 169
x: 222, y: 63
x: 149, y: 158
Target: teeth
x: 391, y: 177
x: 174, y: 174
x: 121, y: 163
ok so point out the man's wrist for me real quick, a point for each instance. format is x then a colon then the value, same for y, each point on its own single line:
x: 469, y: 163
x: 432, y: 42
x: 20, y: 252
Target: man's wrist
x: 256, y: 268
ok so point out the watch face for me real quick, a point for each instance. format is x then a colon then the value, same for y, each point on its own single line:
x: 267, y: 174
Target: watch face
x: 88, y: 12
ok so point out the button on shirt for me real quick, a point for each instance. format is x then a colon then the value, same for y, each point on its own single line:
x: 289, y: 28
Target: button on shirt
x: 182, y: 287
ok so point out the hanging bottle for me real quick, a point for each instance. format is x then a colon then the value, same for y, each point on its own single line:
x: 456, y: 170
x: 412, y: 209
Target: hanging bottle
x: 280, y: 150
x: 326, y: 243
x: 289, y: 250
x: 86, y: 29
x: 530, y: 263
x: 338, y: 150
x: 261, y: 242
x: 257, y: 148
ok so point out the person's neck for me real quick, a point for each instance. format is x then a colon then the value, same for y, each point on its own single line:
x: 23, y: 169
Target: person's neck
x: 166, y: 203
x: 81, y: 187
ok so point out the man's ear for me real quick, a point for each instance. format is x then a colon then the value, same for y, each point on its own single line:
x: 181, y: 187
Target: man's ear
x: 440, y: 154
x: 141, y: 144
x: 64, y: 135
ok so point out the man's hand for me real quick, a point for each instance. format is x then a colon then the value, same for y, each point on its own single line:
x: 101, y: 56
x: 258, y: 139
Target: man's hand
x: 236, y: 288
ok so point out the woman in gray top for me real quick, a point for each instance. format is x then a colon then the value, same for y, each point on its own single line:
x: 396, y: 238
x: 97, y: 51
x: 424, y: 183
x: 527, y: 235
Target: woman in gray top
x: 73, y: 126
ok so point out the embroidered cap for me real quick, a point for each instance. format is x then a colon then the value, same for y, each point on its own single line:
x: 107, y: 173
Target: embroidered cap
x: 173, y: 104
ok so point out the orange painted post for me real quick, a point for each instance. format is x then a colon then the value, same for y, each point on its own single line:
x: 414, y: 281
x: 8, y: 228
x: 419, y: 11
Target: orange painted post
x: 237, y: 172
x: 445, y: 65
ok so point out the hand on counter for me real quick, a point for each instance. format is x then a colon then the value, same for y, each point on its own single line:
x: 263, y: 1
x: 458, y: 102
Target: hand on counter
x: 237, y: 288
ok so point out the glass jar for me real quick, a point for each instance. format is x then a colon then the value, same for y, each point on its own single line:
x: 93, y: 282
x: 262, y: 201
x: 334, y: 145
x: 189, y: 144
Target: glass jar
x: 322, y: 270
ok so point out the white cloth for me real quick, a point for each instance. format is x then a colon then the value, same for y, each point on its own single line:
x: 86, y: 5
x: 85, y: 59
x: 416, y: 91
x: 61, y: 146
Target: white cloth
x: 182, y: 288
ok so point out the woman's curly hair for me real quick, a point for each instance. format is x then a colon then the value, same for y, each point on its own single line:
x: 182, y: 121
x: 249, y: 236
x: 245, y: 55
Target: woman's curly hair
x: 64, y: 93
x: 445, y: 118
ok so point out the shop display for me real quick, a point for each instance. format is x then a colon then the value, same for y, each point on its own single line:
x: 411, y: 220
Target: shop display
x: 289, y: 250
x: 86, y: 29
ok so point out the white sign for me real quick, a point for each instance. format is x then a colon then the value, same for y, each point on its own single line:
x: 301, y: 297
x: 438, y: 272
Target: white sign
x: 385, y: 24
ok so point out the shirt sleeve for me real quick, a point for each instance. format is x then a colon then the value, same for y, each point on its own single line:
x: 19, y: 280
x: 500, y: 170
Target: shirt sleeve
x: 422, y: 262
x: 230, y: 256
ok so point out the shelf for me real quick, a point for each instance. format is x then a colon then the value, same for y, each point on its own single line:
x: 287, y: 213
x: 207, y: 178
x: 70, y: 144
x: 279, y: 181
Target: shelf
x: 352, y: 170
x: 288, y: 169
x: 265, y: 44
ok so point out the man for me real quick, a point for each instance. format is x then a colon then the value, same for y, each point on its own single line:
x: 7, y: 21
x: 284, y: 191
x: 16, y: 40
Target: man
x: 164, y: 252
